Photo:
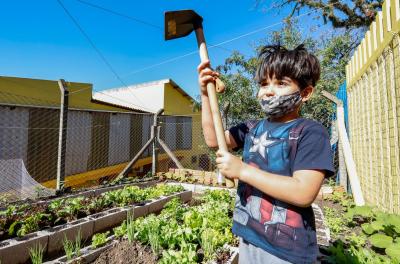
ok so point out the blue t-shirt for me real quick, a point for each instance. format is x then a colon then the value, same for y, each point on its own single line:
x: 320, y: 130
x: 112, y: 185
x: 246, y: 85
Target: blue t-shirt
x: 281, y: 229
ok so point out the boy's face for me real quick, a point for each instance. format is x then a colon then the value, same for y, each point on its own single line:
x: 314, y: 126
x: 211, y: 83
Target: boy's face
x: 271, y: 87
x: 285, y: 86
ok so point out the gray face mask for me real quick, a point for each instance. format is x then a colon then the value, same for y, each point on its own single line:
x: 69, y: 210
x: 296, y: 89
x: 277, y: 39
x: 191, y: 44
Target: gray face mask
x: 278, y: 106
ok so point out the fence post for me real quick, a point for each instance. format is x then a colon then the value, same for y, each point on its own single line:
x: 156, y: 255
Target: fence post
x: 342, y: 166
x: 335, y: 139
x: 154, y: 129
x: 62, y: 135
x: 348, y: 156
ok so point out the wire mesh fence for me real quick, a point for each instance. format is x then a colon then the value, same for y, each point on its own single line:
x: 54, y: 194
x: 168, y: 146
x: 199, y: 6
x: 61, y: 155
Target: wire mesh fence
x: 100, y: 144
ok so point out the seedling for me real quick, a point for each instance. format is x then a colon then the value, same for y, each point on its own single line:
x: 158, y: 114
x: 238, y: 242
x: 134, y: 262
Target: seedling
x: 100, y: 239
x: 36, y: 254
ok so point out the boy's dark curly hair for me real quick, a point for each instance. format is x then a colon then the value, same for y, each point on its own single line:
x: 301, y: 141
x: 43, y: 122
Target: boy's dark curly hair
x: 297, y: 64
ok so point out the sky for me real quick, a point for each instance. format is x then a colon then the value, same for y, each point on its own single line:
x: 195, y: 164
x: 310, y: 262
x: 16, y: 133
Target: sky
x: 39, y: 40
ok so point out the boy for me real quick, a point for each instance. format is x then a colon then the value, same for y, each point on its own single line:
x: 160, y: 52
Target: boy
x: 285, y: 159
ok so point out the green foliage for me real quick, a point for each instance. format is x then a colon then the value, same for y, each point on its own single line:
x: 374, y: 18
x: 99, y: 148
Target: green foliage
x: 335, y: 222
x: 209, y: 242
x: 122, y: 230
x: 179, y: 230
x: 341, y: 198
x: 154, y: 240
x: 357, y: 240
x: 9, y: 212
x: 368, y: 229
x: 67, y: 208
x: 173, y: 209
x: 331, y: 182
x: 339, y: 254
x: 36, y: 254
x: 379, y: 229
x: 133, y: 194
x: 69, y: 248
x: 130, y: 228
x: 381, y: 240
x: 217, y: 196
x: 30, y: 224
x: 100, y: 239
x: 186, y: 255
x: 78, y: 245
x: 98, y: 204
x: 341, y: 14
x: 365, y: 212
x: 393, y: 251
x: 22, y: 220
x: 12, y: 230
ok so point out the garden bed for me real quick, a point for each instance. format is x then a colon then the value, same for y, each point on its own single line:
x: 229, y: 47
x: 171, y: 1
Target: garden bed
x: 86, y: 192
x: 359, y: 234
x: 181, y: 233
x: 114, y: 206
x: 199, y: 188
x: 201, y: 178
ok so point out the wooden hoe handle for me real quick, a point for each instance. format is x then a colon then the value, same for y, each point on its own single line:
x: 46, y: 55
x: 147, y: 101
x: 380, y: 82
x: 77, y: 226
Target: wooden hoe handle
x: 212, y: 96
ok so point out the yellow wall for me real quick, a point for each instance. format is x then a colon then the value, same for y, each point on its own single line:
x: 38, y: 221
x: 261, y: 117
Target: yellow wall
x: 175, y: 103
x: 24, y: 91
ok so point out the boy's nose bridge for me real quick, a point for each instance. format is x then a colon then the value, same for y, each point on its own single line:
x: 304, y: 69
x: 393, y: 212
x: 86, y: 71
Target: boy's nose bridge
x: 270, y: 88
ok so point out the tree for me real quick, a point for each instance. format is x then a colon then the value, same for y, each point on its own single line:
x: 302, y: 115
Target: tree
x: 341, y: 13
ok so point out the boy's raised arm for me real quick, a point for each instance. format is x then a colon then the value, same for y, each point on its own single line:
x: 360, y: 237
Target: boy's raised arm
x: 207, y: 75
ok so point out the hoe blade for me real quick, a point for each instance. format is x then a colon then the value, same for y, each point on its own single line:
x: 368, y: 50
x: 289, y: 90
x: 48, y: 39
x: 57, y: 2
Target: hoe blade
x: 181, y: 23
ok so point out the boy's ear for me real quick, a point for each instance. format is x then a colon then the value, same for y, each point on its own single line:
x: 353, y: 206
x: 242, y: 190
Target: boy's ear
x: 306, y: 93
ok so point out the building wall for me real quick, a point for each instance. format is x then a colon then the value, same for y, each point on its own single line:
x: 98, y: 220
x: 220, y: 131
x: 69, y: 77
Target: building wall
x: 24, y: 91
x: 177, y: 104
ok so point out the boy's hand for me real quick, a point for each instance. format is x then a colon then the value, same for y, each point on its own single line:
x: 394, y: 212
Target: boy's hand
x: 229, y: 165
x: 206, y: 75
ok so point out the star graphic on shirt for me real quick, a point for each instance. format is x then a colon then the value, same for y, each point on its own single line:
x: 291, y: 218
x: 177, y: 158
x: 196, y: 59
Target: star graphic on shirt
x: 260, y: 143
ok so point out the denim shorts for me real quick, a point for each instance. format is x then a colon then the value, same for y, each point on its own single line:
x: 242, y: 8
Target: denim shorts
x: 249, y: 254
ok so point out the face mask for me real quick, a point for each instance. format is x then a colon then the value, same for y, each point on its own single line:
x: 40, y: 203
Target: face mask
x: 277, y: 106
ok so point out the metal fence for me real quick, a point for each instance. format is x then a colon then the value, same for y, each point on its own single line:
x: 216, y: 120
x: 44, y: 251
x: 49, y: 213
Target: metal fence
x: 99, y: 144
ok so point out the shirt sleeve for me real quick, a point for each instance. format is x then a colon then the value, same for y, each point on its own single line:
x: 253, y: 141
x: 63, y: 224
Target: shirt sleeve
x: 240, y: 131
x: 314, y: 150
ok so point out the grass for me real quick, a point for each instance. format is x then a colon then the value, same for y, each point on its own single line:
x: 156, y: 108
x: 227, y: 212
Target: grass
x: 130, y: 228
x: 68, y: 248
x: 36, y: 254
x: 154, y: 239
x: 72, y: 248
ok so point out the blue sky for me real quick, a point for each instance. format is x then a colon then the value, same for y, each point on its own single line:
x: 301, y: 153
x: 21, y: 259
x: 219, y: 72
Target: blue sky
x: 38, y: 39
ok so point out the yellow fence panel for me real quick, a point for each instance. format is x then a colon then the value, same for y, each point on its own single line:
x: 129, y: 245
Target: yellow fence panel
x: 373, y: 80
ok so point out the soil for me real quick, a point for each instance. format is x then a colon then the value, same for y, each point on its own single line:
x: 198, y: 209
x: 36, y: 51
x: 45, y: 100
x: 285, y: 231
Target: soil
x: 223, y: 256
x: 125, y: 252
x: 340, y: 211
x: 327, y: 203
